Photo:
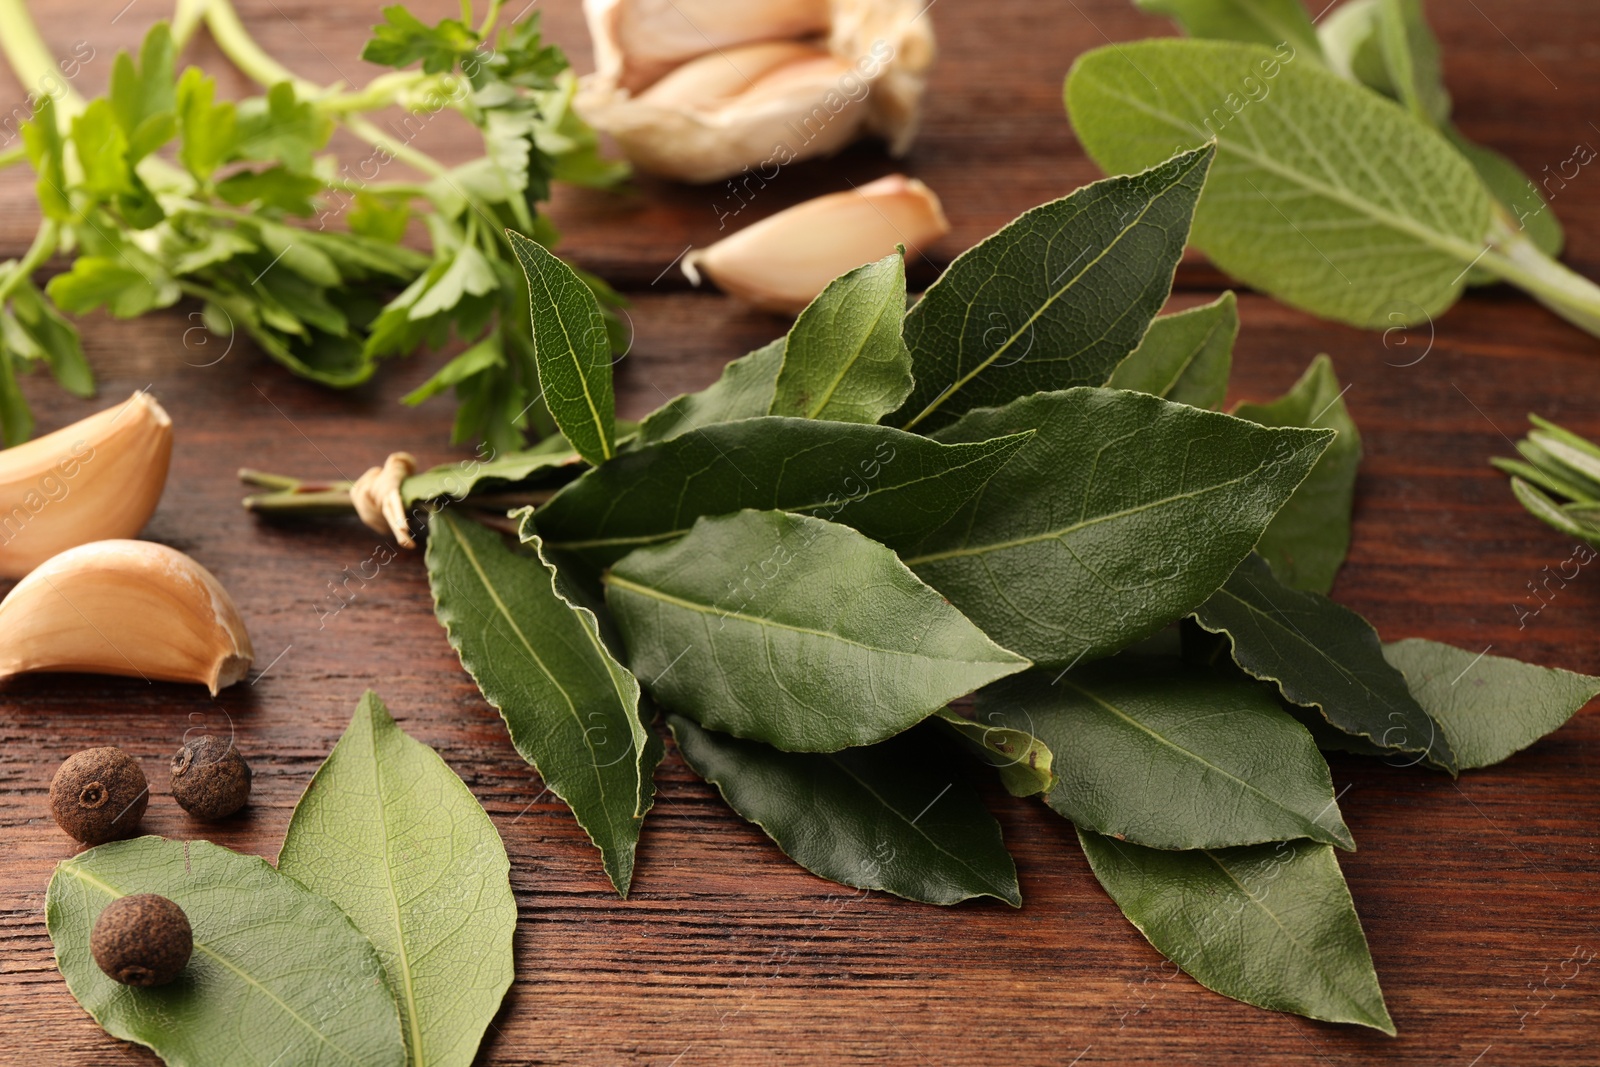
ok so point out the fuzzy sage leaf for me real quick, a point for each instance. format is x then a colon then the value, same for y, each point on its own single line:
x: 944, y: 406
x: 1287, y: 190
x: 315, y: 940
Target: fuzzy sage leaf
x: 389, y: 833
x: 794, y: 631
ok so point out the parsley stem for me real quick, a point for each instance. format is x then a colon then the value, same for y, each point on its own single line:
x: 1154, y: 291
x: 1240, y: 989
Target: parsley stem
x: 13, y: 156
x: 31, y: 59
x: 43, y: 247
x: 490, y: 17
x: 243, y: 51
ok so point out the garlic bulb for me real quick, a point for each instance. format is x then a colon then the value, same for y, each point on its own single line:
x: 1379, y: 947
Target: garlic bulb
x: 99, y: 478
x: 130, y: 608
x: 722, y: 86
x: 782, y: 262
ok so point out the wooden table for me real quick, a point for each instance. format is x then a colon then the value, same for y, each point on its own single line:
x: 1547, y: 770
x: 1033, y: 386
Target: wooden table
x: 1473, y: 892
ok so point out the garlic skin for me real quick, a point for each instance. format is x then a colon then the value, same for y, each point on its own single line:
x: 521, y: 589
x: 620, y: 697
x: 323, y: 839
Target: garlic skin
x: 781, y: 263
x: 728, y: 106
x: 130, y: 608
x: 96, y: 479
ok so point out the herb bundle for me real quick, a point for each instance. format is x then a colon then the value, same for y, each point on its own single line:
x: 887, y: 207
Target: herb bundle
x: 1008, y: 525
x: 236, y: 214
x: 1341, y: 186
x: 388, y: 862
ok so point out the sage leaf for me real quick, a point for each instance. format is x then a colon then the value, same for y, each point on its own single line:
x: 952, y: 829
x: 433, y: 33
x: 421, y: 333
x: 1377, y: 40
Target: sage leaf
x: 1122, y: 513
x: 1023, y: 761
x: 1268, y: 22
x: 1325, y: 195
x: 845, y: 359
x: 1185, y: 358
x: 277, y: 971
x: 893, y: 486
x: 1172, y: 757
x: 1489, y: 707
x: 389, y: 833
x: 571, y: 708
x: 572, y: 350
x: 1324, y: 656
x: 794, y: 631
x: 1271, y: 925
x: 745, y: 391
x: 1056, y: 298
x: 891, y: 816
x: 455, y: 481
x: 1309, y: 538
x: 1518, y: 194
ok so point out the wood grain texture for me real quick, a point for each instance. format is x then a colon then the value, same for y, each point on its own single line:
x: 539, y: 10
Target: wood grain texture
x: 1473, y: 892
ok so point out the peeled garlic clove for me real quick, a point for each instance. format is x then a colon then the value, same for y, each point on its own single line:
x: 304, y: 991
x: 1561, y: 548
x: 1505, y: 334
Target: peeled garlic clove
x: 715, y: 115
x: 651, y: 37
x: 131, y: 608
x: 96, y: 479
x: 781, y: 263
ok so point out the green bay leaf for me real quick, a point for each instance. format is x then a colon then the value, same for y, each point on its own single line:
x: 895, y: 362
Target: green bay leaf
x: 1186, y: 357
x: 1310, y: 537
x: 893, y: 486
x: 1023, y: 761
x: 892, y: 816
x: 1172, y: 757
x: 1271, y: 925
x: 538, y: 658
x: 744, y: 391
x: 845, y: 359
x: 1489, y: 707
x: 1056, y: 298
x: 1121, y: 514
x: 1325, y: 195
x: 1324, y: 656
x: 389, y: 833
x: 458, y: 480
x: 572, y: 350
x: 277, y: 971
x: 794, y: 631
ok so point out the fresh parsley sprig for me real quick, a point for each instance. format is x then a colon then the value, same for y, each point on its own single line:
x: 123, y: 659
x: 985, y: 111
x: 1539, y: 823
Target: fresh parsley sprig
x: 162, y: 193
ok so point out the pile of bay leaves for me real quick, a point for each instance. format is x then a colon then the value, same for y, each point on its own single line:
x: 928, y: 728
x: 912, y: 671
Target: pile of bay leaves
x: 1007, y: 522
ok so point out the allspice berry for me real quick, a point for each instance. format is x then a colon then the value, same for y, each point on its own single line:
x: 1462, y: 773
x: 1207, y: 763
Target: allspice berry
x: 209, y: 778
x: 99, y: 795
x: 142, y: 940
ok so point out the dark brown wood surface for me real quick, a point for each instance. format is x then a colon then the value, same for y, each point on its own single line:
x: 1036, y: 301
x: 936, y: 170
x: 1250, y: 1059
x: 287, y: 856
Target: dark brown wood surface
x: 1473, y: 892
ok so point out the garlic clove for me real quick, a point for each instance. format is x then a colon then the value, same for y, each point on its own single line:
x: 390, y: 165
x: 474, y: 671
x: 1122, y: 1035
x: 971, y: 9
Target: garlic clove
x: 96, y: 479
x: 782, y: 262
x: 651, y: 37
x: 710, y: 117
x: 131, y: 608
x: 711, y: 81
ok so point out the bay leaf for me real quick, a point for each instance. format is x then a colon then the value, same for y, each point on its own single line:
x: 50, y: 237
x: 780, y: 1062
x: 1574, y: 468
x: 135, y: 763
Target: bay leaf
x: 1324, y: 656
x: 794, y: 631
x: 1310, y: 536
x: 278, y: 973
x: 1185, y: 358
x: 1268, y: 22
x: 389, y: 833
x: 1489, y: 707
x: 538, y: 658
x: 893, y: 486
x: 459, y: 480
x: 572, y: 350
x: 1172, y: 757
x: 892, y: 816
x: 1271, y: 925
x: 845, y: 359
x: 1121, y: 514
x: 1023, y: 761
x: 744, y: 391
x: 1323, y: 194
x: 1056, y: 298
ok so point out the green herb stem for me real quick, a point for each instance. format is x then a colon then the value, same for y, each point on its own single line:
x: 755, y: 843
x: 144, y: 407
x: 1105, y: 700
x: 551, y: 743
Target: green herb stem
x: 243, y: 51
x: 13, y: 156
x: 43, y: 247
x: 30, y: 58
x: 1516, y: 259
